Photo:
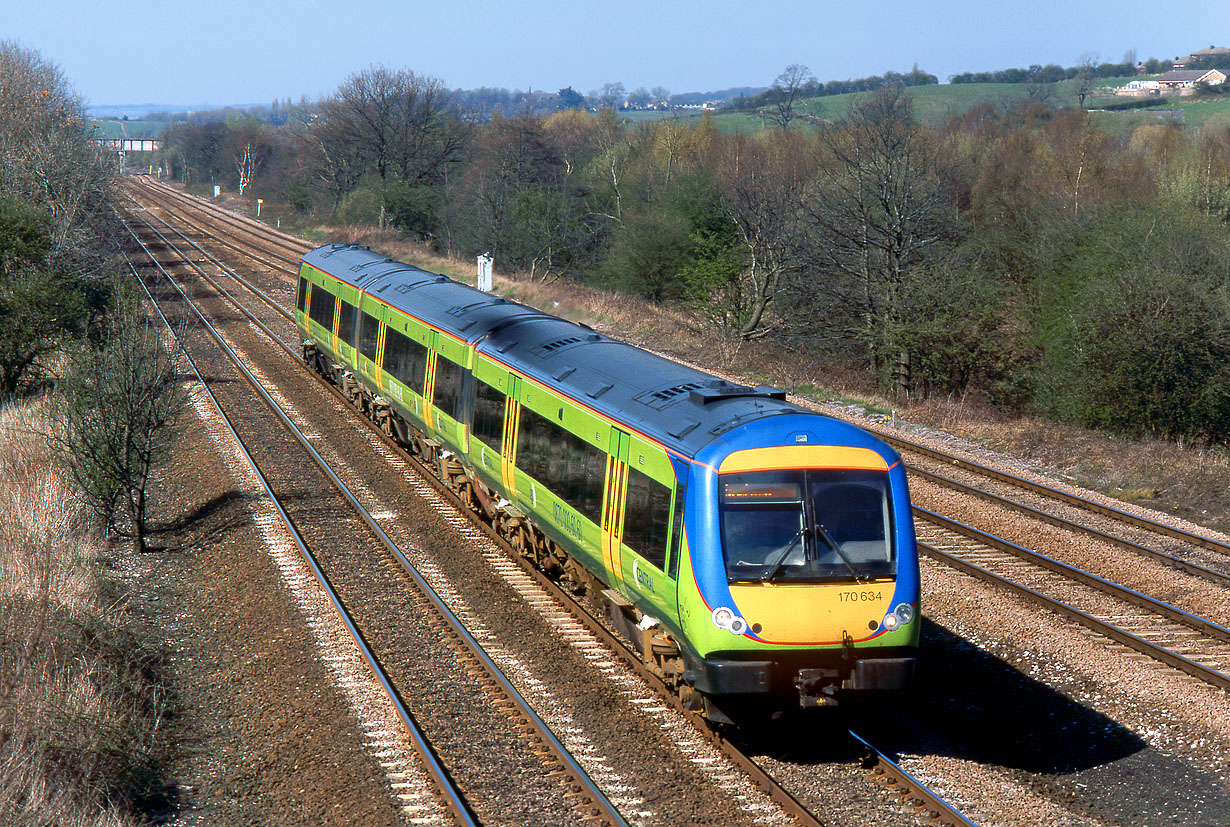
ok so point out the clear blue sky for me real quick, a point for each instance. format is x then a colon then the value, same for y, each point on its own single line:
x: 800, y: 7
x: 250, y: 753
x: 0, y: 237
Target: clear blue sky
x: 252, y: 51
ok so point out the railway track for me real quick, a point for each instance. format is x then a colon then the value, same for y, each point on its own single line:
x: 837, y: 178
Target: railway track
x: 1177, y: 638
x: 582, y: 797
x: 1184, y: 644
x: 912, y: 794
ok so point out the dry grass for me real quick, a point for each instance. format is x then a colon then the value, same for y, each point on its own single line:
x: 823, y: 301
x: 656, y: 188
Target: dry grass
x: 79, y: 703
x: 1190, y: 482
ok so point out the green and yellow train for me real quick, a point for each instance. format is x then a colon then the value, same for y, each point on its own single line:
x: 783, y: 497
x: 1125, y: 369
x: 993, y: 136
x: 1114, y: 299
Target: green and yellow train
x: 758, y: 553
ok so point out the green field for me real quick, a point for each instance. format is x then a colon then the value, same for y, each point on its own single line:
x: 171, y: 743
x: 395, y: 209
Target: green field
x: 934, y: 104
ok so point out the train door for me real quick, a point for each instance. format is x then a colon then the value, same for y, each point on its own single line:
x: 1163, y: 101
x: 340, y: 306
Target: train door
x: 613, y: 503
x: 512, y: 425
x: 429, y: 382
x: 378, y: 367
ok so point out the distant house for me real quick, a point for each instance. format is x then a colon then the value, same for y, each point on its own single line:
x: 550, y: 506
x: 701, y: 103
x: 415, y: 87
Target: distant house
x: 1184, y: 81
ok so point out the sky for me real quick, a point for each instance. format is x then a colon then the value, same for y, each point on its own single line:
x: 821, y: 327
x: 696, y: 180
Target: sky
x: 220, y: 52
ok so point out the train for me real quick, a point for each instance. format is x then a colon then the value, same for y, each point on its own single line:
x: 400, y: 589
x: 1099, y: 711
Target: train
x: 759, y: 555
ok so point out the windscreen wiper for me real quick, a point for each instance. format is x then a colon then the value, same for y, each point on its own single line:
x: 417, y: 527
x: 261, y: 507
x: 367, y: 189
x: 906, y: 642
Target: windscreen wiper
x: 831, y: 543
x: 778, y: 563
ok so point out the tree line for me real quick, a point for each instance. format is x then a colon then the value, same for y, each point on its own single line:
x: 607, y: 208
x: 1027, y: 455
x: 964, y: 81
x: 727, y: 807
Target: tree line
x: 1019, y: 252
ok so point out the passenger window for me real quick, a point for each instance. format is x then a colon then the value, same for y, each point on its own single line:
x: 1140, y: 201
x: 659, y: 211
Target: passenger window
x: 446, y: 392
x: 369, y: 336
x: 647, y: 517
x: 488, y: 427
x: 565, y: 463
x: 348, y: 323
x: 405, y: 359
x: 321, y: 310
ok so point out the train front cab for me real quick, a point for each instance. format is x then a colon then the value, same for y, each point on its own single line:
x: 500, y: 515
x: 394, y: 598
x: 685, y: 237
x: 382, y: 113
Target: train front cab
x: 803, y: 565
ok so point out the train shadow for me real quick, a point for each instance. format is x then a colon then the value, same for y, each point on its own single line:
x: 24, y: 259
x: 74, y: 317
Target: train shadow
x: 965, y: 703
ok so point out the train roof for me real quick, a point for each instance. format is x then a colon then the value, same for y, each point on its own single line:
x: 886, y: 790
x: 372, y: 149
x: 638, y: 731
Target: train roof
x: 679, y: 406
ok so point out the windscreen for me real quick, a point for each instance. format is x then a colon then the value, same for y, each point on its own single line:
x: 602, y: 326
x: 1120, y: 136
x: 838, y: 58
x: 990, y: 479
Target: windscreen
x: 817, y: 525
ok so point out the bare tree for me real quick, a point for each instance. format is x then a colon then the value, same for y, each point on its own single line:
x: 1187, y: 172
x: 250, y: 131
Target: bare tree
x: 248, y: 150
x: 610, y: 96
x: 793, y: 80
x: 880, y: 206
x: 1086, y: 77
x: 400, y: 123
x: 116, y: 410
x: 763, y: 180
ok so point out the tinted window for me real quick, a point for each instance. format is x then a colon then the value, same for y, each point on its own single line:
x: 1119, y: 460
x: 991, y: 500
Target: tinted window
x: 807, y: 524
x: 446, y: 392
x: 405, y: 359
x: 348, y: 323
x: 646, y: 517
x: 488, y: 427
x: 677, y: 532
x: 321, y: 310
x: 303, y: 283
x: 567, y: 464
x: 369, y: 336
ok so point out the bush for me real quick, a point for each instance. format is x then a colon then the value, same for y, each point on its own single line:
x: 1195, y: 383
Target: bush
x: 1146, y: 353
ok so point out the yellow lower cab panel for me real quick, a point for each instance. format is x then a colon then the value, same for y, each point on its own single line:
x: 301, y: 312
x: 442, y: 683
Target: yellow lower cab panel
x: 810, y: 613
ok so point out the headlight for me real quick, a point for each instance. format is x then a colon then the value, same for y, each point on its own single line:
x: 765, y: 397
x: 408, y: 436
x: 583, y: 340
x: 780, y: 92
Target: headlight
x: 904, y: 613
x: 890, y: 622
x: 725, y: 618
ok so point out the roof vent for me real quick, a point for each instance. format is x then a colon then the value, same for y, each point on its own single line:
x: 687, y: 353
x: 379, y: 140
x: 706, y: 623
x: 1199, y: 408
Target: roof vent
x: 703, y: 396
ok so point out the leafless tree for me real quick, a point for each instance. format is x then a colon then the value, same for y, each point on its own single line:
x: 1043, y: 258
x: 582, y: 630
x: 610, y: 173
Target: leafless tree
x: 1086, y: 77
x: 116, y: 412
x: 397, y: 122
x: 610, y: 96
x: 880, y: 206
x: 763, y: 181
x: 46, y: 155
x: 789, y: 85
x: 248, y: 150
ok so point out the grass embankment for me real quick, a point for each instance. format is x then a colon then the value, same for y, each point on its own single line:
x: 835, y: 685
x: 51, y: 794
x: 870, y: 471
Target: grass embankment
x: 80, y: 698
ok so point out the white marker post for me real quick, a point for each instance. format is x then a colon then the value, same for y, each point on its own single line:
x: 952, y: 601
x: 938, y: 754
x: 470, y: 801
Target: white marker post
x: 259, y: 201
x: 484, y: 272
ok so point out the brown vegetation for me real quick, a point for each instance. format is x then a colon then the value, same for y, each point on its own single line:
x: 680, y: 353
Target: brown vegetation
x: 80, y: 700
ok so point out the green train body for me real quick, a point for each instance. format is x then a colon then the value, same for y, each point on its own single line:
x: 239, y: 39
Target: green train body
x: 645, y: 480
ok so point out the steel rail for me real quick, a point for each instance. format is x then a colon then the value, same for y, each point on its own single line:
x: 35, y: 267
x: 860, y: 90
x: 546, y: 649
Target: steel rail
x: 1143, y: 601
x: 221, y: 237
x: 1162, y: 557
x: 1054, y: 493
x: 937, y: 808
x: 268, y: 300
x: 1159, y: 653
x: 577, y: 774
x: 233, y: 219
x: 445, y: 787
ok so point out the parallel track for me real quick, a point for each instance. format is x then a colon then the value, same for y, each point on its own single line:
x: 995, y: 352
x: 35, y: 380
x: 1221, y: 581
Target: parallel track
x: 878, y: 765
x: 592, y: 796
